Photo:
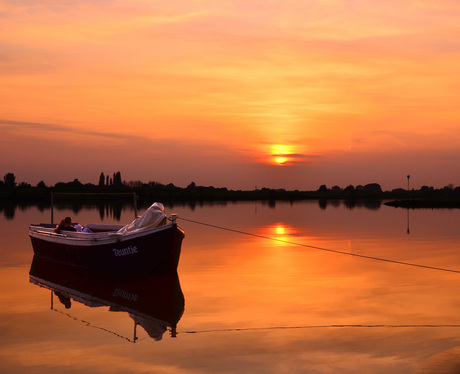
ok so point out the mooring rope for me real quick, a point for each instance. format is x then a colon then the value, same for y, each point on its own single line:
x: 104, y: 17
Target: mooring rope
x: 320, y: 327
x: 89, y: 324
x: 321, y: 248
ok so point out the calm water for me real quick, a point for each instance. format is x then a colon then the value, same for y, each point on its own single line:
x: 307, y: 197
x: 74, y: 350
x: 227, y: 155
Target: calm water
x: 254, y: 305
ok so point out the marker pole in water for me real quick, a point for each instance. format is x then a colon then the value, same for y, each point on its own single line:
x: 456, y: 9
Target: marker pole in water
x: 52, y: 208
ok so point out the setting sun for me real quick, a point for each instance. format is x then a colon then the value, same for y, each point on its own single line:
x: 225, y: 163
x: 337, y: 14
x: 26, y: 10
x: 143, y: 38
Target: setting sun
x: 280, y: 154
x: 280, y: 160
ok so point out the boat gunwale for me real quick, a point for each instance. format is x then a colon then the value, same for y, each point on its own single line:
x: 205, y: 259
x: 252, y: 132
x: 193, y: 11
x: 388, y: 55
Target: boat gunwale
x: 97, y: 238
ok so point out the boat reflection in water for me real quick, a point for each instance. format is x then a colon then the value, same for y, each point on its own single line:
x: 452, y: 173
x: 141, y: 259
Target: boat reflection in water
x: 154, y: 301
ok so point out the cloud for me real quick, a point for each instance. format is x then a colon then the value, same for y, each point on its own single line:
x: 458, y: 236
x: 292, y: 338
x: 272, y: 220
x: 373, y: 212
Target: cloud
x: 293, y: 155
x: 391, y: 141
x: 65, y: 129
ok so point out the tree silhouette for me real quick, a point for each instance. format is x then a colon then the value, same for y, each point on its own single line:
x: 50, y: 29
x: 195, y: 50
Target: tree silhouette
x: 117, y: 179
x: 10, y: 180
x: 322, y: 188
x: 101, y: 180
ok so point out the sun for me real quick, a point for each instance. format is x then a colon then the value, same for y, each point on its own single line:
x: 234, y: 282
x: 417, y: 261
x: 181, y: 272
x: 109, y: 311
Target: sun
x: 280, y: 154
x: 280, y: 160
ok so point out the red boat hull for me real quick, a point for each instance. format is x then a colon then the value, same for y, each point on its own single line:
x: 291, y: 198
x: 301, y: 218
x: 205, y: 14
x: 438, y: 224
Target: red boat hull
x: 138, y: 254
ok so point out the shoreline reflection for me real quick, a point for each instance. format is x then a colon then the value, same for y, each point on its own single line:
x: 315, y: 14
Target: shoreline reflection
x: 153, y: 301
x: 110, y: 209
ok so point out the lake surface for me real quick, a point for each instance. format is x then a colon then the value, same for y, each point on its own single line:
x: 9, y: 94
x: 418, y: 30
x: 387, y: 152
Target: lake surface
x: 270, y: 296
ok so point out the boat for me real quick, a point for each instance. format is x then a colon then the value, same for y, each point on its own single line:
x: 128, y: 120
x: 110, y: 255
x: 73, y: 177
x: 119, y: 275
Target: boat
x: 153, y: 301
x: 152, y: 242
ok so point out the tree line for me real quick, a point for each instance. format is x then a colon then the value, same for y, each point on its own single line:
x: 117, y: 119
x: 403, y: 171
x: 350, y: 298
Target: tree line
x: 9, y: 181
x: 113, y: 183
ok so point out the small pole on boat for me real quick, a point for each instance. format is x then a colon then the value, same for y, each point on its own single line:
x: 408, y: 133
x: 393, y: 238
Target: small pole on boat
x: 52, y: 208
x: 135, y: 334
x: 135, y: 204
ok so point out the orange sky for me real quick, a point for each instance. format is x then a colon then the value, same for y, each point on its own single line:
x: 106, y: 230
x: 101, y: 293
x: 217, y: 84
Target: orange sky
x: 339, y: 92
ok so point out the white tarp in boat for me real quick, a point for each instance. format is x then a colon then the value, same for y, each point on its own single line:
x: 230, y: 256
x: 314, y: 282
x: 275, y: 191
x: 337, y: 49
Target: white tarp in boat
x: 153, y: 217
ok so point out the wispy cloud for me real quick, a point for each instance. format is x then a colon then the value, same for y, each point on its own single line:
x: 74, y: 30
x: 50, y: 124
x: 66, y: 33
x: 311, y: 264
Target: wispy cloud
x: 293, y: 155
x: 52, y: 127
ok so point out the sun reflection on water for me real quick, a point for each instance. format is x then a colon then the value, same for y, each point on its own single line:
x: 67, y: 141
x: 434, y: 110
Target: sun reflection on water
x: 281, y: 234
